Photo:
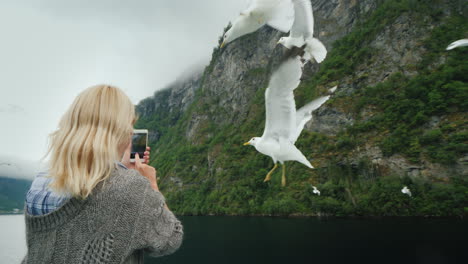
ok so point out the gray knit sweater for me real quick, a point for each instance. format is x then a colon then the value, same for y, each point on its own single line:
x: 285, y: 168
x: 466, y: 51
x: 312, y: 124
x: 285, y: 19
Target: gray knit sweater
x: 117, y: 223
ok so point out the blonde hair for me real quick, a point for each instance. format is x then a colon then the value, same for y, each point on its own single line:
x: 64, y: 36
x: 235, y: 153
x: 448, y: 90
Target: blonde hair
x: 84, y: 148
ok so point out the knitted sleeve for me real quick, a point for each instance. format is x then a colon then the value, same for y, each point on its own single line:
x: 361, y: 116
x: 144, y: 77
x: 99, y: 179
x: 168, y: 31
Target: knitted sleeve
x: 157, y: 229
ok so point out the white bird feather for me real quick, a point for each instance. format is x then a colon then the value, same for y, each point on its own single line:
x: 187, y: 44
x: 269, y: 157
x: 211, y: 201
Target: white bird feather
x: 302, y: 32
x: 283, y: 123
x: 304, y: 115
x: 406, y: 191
x: 458, y: 43
x: 303, y: 25
x: 278, y: 14
x: 316, y: 191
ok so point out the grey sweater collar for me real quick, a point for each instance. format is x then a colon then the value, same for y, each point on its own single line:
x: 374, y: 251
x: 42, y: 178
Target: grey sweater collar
x: 54, y: 219
x: 63, y: 214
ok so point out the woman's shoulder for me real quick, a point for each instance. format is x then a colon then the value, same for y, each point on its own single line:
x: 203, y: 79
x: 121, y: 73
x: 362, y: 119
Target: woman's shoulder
x: 135, y: 186
x: 126, y: 183
x: 124, y: 177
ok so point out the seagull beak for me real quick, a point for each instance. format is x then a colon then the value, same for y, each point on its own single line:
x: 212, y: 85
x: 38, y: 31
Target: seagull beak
x: 246, y: 143
x: 223, y: 44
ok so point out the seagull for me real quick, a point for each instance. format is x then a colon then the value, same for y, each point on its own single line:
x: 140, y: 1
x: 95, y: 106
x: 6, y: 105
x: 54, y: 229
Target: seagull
x: 316, y: 191
x: 458, y: 43
x: 283, y: 123
x: 302, y: 32
x: 407, y: 191
x: 278, y: 14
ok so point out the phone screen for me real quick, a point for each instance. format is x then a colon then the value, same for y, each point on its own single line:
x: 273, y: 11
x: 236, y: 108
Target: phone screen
x: 138, y: 145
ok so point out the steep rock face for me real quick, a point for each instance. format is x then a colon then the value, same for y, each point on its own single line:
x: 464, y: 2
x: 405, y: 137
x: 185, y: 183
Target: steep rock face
x: 237, y: 72
x: 229, y: 78
x: 233, y: 79
x: 229, y: 93
x: 173, y: 99
x: 397, y: 48
x: 394, y: 49
x: 336, y: 18
x: 169, y: 103
x: 245, y: 65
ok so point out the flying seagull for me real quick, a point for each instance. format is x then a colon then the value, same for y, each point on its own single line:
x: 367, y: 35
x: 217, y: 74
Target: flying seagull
x: 283, y: 123
x: 316, y: 191
x: 302, y: 33
x: 406, y: 191
x: 278, y: 14
x: 458, y: 43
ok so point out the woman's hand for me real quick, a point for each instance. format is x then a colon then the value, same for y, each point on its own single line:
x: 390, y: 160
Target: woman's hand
x: 141, y: 165
x: 126, y: 157
x: 147, y: 171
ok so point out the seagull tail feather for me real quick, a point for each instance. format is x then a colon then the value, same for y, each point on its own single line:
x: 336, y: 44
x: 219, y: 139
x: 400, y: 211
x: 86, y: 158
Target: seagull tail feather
x: 306, y: 162
x: 298, y: 156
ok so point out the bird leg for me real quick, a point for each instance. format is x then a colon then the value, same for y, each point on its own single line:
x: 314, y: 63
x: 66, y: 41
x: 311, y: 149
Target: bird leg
x: 283, y: 176
x: 268, y: 177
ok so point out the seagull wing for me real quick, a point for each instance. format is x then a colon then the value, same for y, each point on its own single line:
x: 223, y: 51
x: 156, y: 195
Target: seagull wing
x: 303, y: 19
x: 304, y: 114
x: 458, y: 43
x: 279, y: 100
x: 316, y: 49
x: 279, y: 14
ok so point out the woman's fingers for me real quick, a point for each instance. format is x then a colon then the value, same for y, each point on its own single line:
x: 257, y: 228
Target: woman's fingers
x: 137, y: 161
x: 147, y: 155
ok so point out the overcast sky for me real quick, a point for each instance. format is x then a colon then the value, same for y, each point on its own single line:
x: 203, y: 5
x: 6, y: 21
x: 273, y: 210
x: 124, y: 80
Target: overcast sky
x: 50, y: 50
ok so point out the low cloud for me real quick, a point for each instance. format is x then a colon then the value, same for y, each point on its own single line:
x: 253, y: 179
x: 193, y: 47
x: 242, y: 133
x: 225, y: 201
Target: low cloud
x: 51, y: 50
x: 11, y: 109
x: 17, y: 168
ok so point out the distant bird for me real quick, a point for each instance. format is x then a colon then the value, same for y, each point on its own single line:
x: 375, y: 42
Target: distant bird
x: 316, y: 191
x: 278, y: 14
x: 458, y: 43
x: 333, y: 89
x: 302, y: 33
x: 407, y: 191
x: 283, y: 123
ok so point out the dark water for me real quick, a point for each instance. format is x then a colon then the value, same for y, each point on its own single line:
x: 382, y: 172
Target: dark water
x: 212, y: 239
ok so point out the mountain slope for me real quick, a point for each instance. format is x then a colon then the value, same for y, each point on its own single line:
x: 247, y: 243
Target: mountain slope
x: 12, y: 194
x: 398, y: 118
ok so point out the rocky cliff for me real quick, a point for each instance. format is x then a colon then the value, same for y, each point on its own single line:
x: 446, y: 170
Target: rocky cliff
x: 385, y: 125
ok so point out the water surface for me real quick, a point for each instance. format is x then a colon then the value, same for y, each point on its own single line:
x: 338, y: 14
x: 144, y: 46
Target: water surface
x: 12, y: 238
x: 311, y: 240
x: 215, y: 239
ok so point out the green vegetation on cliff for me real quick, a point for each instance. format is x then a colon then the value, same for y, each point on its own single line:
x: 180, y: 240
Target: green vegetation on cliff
x: 220, y: 176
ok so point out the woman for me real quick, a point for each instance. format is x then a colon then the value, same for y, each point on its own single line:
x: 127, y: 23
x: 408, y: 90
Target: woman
x: 91, y: 208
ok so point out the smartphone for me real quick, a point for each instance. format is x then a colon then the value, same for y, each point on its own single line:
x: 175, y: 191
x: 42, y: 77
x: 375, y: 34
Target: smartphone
x: 139, y: 143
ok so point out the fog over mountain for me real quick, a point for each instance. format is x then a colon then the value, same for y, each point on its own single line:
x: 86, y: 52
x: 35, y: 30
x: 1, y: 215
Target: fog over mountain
x: 12, y: 167
x: 51, y: 50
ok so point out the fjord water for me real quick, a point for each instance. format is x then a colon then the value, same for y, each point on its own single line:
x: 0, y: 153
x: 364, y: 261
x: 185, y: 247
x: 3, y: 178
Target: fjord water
x: 12, y: 238
x: 213, y: 239
x: 217, y: 239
